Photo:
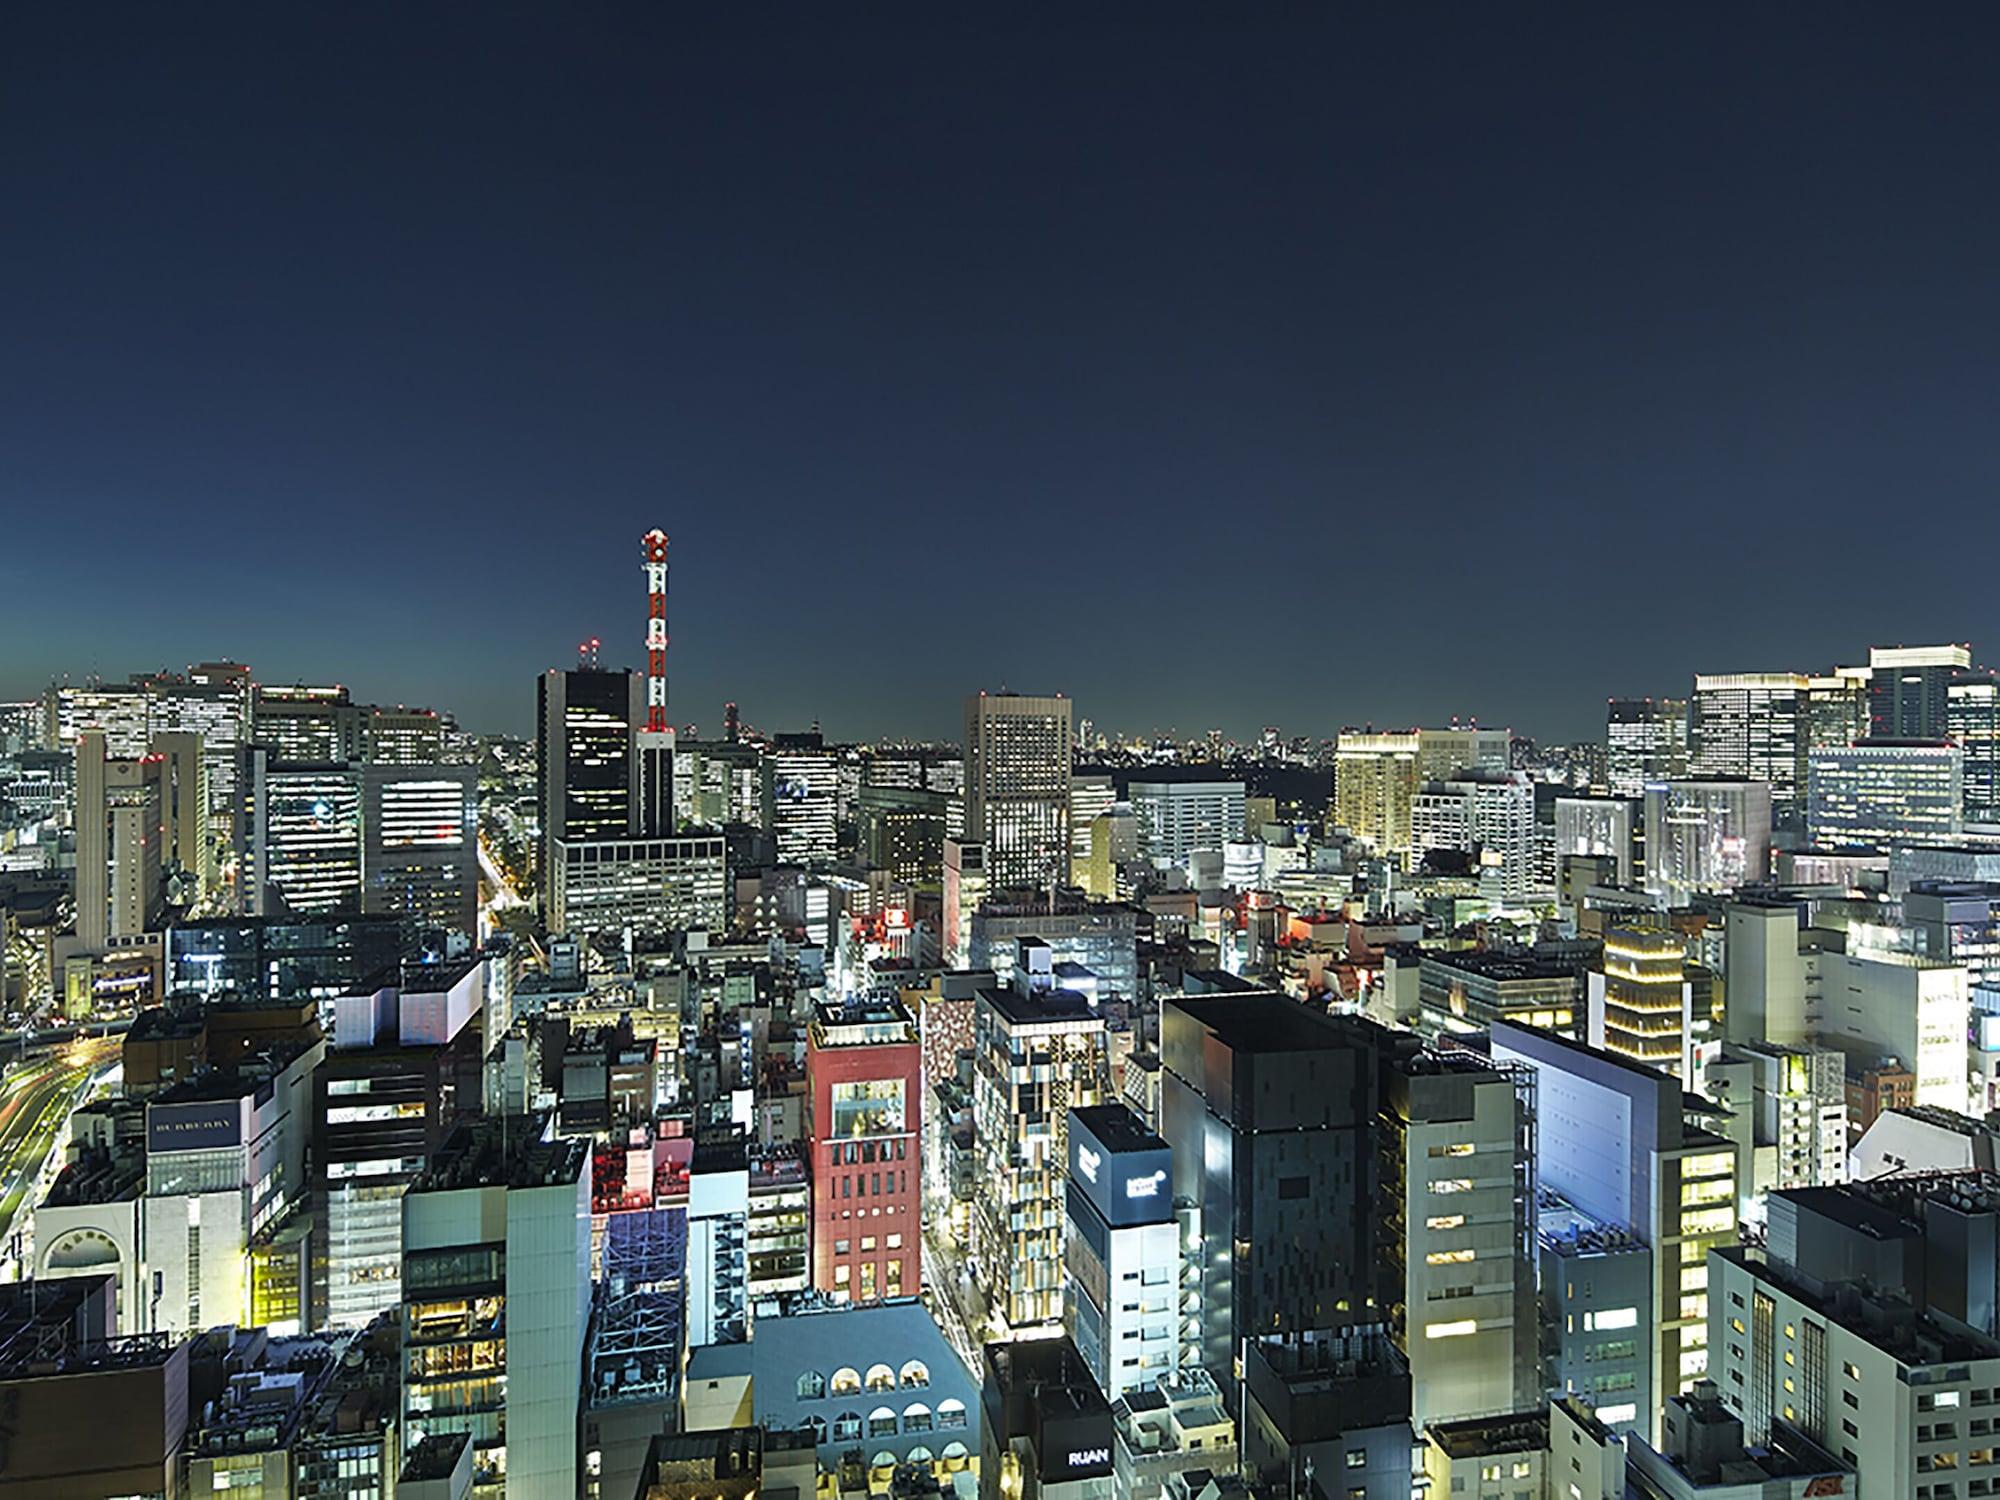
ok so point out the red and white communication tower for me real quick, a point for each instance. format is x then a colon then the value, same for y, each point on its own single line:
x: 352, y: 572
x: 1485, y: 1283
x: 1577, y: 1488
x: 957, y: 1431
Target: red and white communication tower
x: 653, y: 546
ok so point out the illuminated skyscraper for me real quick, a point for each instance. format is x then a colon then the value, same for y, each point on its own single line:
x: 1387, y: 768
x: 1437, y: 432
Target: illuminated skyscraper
x: 1972, y: 722
x: 1909, y: 688
x: 801, y: 799
x: 1836, y: 709
x: 1488, y: 812
x: 1375, y: 785
x: 298, y: 835
x: 1088, y: 797
x: 584, y: 767
x: 421, y: 856
x: 1017, y: 786
x: 1748, y: 724
x: 309, y: 724
x: 1884, y: 792
x: 1645, y: 739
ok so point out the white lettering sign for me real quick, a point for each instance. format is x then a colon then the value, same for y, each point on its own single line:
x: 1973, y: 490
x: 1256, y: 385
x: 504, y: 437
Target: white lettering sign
x: 1085, y: 1457
x: 1088, y: 1161
x: 1145, y: 1187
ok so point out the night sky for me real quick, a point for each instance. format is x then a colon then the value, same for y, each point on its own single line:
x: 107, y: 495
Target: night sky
x: 1215, y: 367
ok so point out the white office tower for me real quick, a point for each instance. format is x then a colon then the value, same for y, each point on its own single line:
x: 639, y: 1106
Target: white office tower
x: 1490, y: 813
x: 1883, y: 792
x: 1705, y: 837
x: 718, y: 1231
x: 496, y: 1302
x: 1121, y: 1252
x: 802, y: 799
x: 1018, y: 753
x: 1787, y: 1114
x: 1178, y: 819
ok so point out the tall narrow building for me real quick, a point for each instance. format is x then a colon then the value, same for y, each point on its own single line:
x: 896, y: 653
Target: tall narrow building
x: 864, y: 1080
x: 1018, y: 756
x: 584, y: 767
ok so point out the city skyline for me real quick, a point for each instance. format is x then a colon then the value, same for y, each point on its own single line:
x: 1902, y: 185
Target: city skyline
x: 1500, y: 328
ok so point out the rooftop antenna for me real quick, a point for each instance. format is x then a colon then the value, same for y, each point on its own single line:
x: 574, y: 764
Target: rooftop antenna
x: 586, y: 654
x: 653, y: 549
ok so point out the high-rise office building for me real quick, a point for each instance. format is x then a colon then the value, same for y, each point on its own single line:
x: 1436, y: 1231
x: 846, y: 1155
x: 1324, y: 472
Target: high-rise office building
x: 1880, y: 792
x: 1909, y: 689
x: 496, y: 1301
x: 1038, y: 1053
x: 1972, y: 722
x: 608, y: 887
x: 802, y: 799
x: 403, y: 737
x: 586, y: 780
x: 864, y: 1081
x: 1884, y: 1005
x: 120, y: 818
x: 217, y: 709
x: 1706, y: 835
x: 1178, y: 818
x: 1490, y: 813
x: 1836, y: 709
x: 1645, y: 739
x: 1018, y: 754
x: 1748, y: 724
x: 309, y: 724
x: 118, y: 709
x: 298, y: 835
x: 187, y: 844
x: 1122, y: 1253
x: 1443, y: 753
x: 420, y: 850
x: 1375, y: 785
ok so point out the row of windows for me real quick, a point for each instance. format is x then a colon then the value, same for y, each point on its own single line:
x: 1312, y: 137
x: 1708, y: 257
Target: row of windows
x: 847, y: 1380
x: 883, y: 1422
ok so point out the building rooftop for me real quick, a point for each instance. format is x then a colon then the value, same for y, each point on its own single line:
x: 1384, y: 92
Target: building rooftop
x: 1475, y: 1437
x: 1118, y: 1128
x: 502, y: 1151
x: 1265, y: 1022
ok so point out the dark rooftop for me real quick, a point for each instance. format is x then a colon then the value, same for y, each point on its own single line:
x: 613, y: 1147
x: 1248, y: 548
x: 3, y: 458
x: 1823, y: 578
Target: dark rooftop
x: 502, y: 1151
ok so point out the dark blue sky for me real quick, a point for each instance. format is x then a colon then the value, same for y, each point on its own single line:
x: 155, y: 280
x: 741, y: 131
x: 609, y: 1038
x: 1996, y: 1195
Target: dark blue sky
x: 1226, y: 366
